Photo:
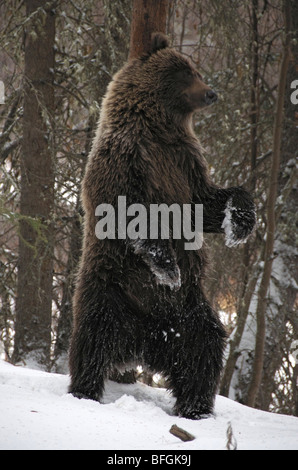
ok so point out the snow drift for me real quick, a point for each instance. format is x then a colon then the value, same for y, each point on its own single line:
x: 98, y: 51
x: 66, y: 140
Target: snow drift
x: 36, y: 412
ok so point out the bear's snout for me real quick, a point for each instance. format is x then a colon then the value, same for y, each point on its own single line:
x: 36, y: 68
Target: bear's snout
x: 210, y: 97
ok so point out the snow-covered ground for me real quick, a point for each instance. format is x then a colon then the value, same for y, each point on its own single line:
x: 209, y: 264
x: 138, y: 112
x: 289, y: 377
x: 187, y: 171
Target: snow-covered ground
x: 36, y: 412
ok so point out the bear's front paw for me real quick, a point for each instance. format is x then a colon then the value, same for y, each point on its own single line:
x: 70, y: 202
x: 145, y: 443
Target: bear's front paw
x: 161, y: 259
x: 240, y: 219
x: 164, y: 267
x: 170, y: 277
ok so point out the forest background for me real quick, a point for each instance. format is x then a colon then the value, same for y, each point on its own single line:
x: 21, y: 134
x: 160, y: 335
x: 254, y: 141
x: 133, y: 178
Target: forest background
x: 56, y: 60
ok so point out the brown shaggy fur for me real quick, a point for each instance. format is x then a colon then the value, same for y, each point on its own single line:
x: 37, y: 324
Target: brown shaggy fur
x: 129, y: 303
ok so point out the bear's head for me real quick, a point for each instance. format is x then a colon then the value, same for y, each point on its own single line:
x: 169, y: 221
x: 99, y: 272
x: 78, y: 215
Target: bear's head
x: 162, y: 86
x: 174, y: 78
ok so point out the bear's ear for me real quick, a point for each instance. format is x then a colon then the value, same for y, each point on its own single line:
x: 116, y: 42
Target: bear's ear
x: 158, y: 41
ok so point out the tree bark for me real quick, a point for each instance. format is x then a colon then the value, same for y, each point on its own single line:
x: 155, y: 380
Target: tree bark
x: 149, y: 16
x: 248, y: 285
x: 254, y: 98
x: 270, y: 232
x: 185, y: 436
x: 35, y: 264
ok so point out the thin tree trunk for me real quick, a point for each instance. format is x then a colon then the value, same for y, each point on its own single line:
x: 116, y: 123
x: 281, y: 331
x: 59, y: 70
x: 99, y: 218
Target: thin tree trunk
x: 254, y: 121
x: 248, y: 286
x: 270, y: 232
x: 255, y: 111
x: 149, y: 16
x: 35, y: 264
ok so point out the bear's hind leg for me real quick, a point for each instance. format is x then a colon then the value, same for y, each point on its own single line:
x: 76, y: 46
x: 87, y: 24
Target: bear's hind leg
x: 104, y: 335
x: 196, y: 370
x: 187, y: 347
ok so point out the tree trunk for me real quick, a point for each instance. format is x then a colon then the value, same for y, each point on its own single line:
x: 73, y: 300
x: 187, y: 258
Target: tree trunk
x: 35, y: 264
x: 248, y: 285
x: 149, y: 16
x: 270, y: 233
x: 254, y: 98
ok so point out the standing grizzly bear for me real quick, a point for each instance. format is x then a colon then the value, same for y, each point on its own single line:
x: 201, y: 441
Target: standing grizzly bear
x: 141, y: 299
